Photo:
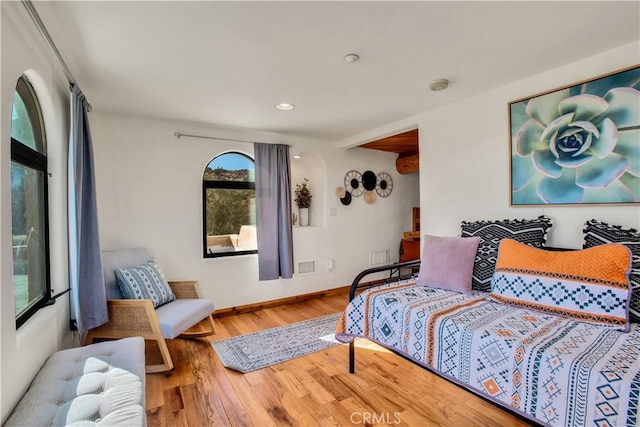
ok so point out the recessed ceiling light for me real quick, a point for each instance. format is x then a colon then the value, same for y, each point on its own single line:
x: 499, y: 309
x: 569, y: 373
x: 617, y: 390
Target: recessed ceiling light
x: 440, y: 84
x: 297, y: 156
x: 285, y: 107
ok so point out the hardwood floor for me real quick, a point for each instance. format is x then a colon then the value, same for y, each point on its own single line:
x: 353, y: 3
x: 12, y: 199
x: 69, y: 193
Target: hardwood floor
x: 314, y: 390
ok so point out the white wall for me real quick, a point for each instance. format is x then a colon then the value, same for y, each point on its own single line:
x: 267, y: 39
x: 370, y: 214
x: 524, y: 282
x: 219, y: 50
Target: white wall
x: 149, y: 187
x: 25, y: 350
x: 464, y: 158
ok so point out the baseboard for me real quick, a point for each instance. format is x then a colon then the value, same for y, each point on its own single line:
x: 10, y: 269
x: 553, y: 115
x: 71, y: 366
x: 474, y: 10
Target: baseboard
x: 248, y: 308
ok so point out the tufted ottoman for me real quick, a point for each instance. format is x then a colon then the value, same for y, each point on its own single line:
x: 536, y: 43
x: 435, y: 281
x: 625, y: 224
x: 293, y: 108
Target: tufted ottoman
x: 100, y: 384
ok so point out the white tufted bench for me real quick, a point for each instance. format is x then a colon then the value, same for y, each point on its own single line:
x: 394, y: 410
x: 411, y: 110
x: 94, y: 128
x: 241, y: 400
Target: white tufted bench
x: 101, y: 384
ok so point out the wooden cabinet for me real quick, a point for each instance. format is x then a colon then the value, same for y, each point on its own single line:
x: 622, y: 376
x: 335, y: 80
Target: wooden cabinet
x: 415, y: 219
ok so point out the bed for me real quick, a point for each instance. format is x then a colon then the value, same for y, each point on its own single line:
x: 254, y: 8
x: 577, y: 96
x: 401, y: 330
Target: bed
x: 547, y: 368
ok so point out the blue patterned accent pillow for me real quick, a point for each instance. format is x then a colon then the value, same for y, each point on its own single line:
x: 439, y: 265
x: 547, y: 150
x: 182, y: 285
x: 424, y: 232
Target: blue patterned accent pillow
x: 599, y: 233
x: 532, y: 232
x: 146, y: 281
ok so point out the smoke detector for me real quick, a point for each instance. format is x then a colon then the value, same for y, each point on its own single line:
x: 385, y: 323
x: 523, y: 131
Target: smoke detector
x: 440, y: 84
x: 351, y: 58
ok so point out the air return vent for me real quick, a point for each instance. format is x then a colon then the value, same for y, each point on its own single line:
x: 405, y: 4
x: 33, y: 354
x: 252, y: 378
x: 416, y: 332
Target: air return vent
x: 306, y: 267
x: 378, y: 257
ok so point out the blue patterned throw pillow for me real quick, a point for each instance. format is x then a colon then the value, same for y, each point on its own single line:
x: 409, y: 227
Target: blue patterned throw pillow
x: 146, y: 281
x: 598, y: 233
x: 532, y: 232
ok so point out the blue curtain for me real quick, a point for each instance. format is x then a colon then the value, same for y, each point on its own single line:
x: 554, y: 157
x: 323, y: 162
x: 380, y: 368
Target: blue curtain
x: 273, y: 211
x: 89, y: 301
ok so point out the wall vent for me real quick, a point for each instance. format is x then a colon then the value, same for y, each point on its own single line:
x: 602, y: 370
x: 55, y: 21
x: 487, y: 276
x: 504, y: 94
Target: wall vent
x: 378, y: 258
x: 306, y: 267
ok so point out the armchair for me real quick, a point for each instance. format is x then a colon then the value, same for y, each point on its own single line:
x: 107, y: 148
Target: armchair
x: 138, y: 317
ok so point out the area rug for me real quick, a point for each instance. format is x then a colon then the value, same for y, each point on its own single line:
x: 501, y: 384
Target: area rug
x: 246, y: 353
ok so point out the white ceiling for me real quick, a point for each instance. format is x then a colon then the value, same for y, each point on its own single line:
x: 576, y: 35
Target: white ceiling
x: 229, y: 63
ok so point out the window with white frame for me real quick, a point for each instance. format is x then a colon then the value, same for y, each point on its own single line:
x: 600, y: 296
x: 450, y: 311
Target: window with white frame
x: 229, y: 206
x: 29, y: 204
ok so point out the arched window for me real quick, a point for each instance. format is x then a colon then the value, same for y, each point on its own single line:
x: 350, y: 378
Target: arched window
x: 229, y: 206
x: 29, y: 206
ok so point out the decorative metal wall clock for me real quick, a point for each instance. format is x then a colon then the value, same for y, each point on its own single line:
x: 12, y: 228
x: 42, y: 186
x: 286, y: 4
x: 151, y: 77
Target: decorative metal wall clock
x: 353, y: 183
x: 367, y: 183
x: 384, y: 184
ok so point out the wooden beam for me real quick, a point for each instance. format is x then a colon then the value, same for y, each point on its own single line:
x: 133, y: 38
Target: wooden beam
x: 408, y: 163
x: 403, y: 143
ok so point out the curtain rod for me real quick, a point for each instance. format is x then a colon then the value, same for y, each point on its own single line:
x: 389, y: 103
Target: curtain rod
x: 35, y: 17
x: 180, y: 135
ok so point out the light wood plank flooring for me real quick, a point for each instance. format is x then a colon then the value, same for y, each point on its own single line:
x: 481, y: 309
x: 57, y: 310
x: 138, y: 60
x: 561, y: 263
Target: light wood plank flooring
x: 314, y: 390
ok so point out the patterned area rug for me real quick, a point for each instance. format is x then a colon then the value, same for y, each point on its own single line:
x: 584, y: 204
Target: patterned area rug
x: 246, y: 353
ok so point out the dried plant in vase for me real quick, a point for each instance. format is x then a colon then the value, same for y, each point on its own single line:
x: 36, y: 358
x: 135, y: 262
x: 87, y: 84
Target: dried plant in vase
x: 303, y: 195
x: 303, y: 200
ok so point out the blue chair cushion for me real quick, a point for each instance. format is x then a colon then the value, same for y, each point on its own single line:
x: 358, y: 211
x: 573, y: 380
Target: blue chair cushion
x: 181, y: 314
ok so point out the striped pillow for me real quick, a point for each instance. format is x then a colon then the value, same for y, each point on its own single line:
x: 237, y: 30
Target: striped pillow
x: 146, y: 281
x: 598, y: 233
x: 533, y: 232
x: 591, y: 285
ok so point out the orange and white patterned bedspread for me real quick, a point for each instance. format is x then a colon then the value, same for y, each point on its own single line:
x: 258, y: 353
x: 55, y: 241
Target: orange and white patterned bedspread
x: 561, y: 372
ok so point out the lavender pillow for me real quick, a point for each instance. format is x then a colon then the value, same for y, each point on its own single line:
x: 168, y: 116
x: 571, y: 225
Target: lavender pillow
x: 447, y: 262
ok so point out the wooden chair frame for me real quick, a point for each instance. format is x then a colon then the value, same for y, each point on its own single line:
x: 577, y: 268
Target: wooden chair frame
x: 129, y: 317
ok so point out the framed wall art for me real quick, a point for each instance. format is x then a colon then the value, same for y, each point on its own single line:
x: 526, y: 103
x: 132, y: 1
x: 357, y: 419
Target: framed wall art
x: 578, y: 144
